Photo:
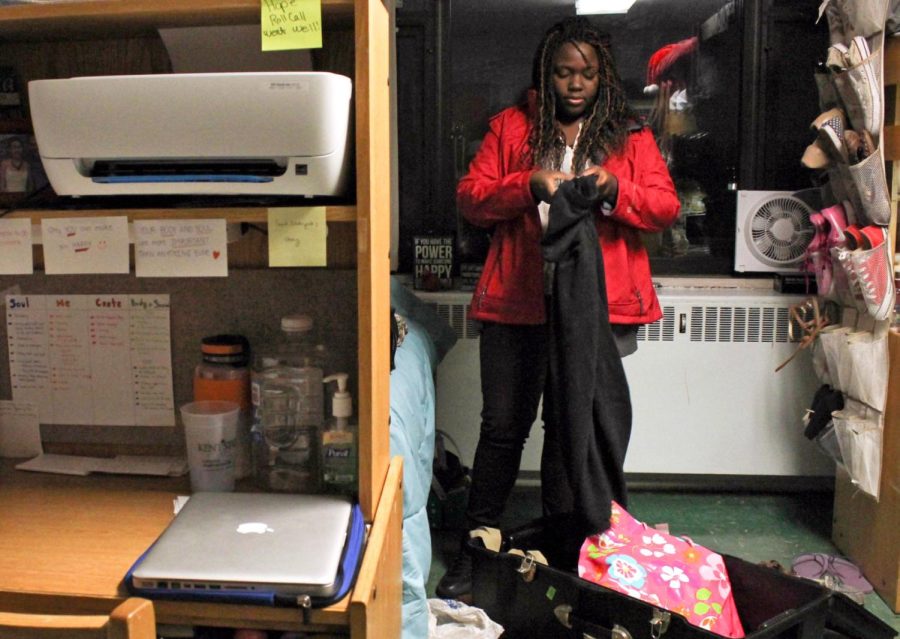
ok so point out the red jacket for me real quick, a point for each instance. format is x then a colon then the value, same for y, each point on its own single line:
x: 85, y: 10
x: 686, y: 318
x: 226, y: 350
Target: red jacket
x: 495, y: 194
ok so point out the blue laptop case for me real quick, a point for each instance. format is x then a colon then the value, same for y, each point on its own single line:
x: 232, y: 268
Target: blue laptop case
x: 349, y: 566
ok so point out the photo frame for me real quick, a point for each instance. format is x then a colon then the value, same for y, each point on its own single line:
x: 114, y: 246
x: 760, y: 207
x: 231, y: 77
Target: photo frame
x: 21, y: 170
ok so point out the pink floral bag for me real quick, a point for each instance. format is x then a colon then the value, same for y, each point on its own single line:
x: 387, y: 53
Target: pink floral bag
x: 667, y: 571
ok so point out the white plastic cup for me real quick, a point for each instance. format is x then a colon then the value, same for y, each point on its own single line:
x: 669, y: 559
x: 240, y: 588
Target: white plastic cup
x: 210, y: 435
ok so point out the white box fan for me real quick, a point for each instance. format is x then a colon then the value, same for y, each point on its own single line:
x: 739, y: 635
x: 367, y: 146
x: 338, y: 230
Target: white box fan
x: 773, y: 230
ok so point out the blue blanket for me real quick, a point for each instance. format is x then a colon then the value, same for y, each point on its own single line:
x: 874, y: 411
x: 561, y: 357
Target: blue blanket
x: 412, y: 435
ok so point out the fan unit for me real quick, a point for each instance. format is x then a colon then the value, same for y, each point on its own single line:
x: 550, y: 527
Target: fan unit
x: 773, y: 230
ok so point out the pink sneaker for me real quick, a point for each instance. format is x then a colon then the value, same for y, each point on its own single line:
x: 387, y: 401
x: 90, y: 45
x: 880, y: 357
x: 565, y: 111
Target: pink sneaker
x: 820, y: 234
x: 852, y: 237
x: 871, y: 237
x: 817, y: 260
x: 875, y: 273
x: 837, y: 222
x: 820, y: 265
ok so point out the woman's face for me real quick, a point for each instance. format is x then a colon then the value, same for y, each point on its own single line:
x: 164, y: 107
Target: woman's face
x: 15, y: 149
x: 576, y: 80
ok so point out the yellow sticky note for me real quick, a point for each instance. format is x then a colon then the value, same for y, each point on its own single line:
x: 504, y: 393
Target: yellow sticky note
x: 297, y: 236
x: 291, y: 24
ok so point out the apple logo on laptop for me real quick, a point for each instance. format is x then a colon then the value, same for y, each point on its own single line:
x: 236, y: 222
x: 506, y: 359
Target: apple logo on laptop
x: 254, y: 528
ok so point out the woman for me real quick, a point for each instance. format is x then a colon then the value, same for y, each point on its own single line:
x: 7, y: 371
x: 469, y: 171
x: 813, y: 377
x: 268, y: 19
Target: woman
x: 576, y: 123
x: 15, y: 173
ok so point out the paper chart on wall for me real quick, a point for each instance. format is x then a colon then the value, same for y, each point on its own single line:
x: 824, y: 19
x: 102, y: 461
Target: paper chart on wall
x: 92, y: 359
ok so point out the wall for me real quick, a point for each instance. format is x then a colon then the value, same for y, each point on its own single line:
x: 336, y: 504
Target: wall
x: 250, y: 302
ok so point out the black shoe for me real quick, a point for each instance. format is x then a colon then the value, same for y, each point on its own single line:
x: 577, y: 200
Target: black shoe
x: 457, y: 581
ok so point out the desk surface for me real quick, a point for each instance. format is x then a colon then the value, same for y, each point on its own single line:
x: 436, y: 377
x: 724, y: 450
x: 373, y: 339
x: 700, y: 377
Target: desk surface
x: 66, y: 543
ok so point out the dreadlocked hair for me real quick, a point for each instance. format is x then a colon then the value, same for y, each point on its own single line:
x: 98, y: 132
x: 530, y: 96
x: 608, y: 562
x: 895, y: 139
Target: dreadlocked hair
x: 604, y: 129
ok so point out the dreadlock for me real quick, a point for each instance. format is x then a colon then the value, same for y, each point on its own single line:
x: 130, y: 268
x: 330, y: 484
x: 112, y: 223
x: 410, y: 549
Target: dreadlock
x: 605, y: 128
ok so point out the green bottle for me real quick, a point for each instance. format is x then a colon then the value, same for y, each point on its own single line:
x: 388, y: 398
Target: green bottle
x: 339, y: 442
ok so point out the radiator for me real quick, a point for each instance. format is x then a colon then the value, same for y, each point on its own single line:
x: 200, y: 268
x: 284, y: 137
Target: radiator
x: 705, y: 394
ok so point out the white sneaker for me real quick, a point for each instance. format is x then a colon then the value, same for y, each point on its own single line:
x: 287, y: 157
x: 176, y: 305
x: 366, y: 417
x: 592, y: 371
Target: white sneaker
x: 863, y: 102
x: 847, y: 289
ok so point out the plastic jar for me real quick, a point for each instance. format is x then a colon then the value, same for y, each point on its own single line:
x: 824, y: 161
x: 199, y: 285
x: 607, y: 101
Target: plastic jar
x: 224, y: 375
x: 287, y: 376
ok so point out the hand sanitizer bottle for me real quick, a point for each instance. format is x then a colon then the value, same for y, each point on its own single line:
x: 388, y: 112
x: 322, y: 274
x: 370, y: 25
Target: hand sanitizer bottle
x: 339, y: 443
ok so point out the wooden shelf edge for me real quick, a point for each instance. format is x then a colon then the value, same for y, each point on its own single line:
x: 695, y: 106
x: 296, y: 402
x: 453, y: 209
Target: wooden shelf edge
x: 891, y: 143
x: 250, y: 215
x: 376, y: 598
x: 891, y: 61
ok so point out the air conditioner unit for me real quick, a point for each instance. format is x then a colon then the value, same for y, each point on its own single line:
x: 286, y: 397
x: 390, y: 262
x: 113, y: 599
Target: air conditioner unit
x: 773, y: 230
x: 705, y: 395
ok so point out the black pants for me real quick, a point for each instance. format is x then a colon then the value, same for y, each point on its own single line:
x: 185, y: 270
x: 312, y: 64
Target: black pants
x: 513, y: 372
x: 514, y: 360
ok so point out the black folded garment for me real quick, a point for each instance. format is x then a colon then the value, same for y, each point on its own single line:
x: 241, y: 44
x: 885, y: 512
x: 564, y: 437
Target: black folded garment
x: 825, y: 402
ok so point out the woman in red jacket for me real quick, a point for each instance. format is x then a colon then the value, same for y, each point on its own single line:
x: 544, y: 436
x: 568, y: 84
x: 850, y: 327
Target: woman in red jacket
x: 576, y: 122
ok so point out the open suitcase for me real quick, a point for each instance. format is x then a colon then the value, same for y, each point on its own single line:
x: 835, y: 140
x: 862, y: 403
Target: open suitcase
x: 534, y: 600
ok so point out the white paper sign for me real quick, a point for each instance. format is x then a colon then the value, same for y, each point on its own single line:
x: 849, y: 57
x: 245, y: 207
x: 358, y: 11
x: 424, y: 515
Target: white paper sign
x: 92, y: 359
x: 20, y: 431
x: 85, y: 245
x: 180, y: 248
x: 15, y: 247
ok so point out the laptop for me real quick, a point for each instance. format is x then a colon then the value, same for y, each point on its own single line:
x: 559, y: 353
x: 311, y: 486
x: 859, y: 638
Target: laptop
x: 286, y: 545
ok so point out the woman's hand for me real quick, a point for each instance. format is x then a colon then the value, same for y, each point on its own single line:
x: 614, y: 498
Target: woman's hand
x: 544, y: 183
x: 607, y: 183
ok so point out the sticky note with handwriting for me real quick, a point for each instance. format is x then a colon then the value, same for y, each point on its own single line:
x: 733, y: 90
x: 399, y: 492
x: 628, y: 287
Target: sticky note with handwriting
x: 15, y: 247
x: 85, y: 245
x: 298, y: 236
x: 180, y: 248
x: 291, y: 24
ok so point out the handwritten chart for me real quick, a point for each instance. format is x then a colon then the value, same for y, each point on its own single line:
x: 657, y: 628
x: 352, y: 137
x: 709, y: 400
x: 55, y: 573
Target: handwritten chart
x: 92, y: 359
x: 291, y: 24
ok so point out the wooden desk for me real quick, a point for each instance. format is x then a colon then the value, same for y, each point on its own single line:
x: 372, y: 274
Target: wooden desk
x: 67, y: 542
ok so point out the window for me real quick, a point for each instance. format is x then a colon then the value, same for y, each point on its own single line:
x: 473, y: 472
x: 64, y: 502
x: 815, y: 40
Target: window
x: 726, y: 85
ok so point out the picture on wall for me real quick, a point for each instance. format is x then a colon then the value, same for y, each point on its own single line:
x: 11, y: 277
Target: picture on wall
x: 21, y: 172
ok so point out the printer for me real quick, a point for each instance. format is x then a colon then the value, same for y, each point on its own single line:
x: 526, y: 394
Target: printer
x: 268, y: 133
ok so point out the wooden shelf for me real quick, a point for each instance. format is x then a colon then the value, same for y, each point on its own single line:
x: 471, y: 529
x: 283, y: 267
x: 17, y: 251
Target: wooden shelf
x: 891, y: 81
x: 121, y: 17
x: 62, y: 562
x: 53, y: 559
x: 251, y: 215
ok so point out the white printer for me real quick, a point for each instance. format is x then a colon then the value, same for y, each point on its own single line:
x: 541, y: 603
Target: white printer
x: 194, y: 133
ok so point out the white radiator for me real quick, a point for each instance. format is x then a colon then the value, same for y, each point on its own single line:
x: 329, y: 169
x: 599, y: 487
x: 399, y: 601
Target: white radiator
x: 705, y: 395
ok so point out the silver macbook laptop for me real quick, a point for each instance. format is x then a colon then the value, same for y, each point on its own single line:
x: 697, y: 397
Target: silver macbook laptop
x: 254, y: 542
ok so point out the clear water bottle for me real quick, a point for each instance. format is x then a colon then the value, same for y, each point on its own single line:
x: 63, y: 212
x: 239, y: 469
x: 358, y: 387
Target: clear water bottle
x: 287, y: 450
x: 288, y: 409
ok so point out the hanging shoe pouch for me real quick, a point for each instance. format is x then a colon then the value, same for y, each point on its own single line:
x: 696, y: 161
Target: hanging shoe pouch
x: 859, y: 88
x: 833, y: 341
x: 860, y: 440
x: 870, y: 185
x: 861, y: 17
x: 869, y: 361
